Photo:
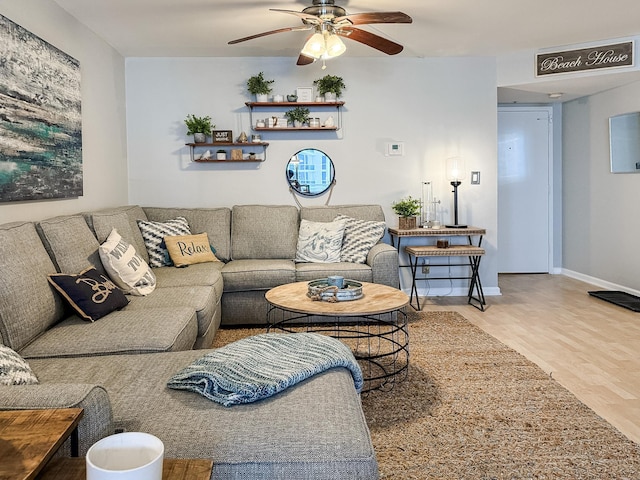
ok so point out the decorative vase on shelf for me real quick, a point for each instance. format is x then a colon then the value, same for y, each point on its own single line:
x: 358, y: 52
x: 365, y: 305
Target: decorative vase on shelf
x: 199, y: 137
x: 406, y: 223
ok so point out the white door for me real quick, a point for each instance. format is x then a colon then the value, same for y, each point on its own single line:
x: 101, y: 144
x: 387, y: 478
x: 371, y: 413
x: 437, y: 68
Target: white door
x: 524, y: 154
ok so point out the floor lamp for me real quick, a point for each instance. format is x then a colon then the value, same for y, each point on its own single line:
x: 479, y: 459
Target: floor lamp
x: 455, y: 174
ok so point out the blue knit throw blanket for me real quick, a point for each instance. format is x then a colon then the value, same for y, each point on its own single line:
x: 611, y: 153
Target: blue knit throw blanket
x: 260, y: 366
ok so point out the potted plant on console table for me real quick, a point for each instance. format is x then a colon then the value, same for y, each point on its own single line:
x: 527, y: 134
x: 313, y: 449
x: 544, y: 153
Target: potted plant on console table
x: 407, y: 209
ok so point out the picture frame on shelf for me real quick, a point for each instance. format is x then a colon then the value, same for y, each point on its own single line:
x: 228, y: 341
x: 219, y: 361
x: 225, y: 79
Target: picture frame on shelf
x: 222, y: 136
x: 305, y: 94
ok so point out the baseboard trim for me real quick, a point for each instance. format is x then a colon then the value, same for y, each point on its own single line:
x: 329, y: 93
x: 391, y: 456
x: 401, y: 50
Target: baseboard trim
x: 598, y: 282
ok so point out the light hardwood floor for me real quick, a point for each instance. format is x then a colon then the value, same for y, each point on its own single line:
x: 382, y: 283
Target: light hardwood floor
x: 589, y: 346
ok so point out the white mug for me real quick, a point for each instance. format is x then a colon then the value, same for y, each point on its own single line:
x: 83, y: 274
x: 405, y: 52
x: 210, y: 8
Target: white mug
x: 126, y: 456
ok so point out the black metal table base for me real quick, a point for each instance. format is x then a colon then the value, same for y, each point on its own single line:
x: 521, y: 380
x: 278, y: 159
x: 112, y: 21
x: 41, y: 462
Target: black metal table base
x: 380, y: 343
x: 476, y: 300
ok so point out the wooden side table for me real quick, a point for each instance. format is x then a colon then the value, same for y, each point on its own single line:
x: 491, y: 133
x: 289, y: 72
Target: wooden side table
x: 172, y: 469
x: 429, y: 249
x: 473, y: 253
x: 29, y: 438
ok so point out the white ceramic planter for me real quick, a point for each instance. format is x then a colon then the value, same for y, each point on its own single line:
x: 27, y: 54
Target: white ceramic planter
x: 126, y: 456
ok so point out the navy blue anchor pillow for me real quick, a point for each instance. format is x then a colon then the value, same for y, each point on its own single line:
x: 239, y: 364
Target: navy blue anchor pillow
x: 91, y: 294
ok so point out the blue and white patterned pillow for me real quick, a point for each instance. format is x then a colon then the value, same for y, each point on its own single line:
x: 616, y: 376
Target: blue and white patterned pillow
x: 153, y: 234
x: 320, y: 242
x: 359, y: 237
x: 14, y: 370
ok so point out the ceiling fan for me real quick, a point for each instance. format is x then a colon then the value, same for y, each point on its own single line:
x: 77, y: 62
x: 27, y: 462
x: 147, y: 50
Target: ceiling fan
x: 329, y: 22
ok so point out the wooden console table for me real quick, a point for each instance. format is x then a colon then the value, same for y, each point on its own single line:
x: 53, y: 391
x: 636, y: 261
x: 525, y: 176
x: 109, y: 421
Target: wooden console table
x: 29, y: 438
x: 472, y: 250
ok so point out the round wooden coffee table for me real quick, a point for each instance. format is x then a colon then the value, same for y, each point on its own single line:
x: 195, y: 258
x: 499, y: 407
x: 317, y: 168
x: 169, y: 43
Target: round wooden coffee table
x: 374, y: 326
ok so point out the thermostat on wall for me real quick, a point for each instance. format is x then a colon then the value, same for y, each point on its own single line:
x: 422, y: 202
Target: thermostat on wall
x: 396, y: 148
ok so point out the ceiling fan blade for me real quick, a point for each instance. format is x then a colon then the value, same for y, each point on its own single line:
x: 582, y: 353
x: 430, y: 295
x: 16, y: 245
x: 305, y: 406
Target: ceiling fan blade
x: 302, y: 15
x: 264, y: 34
x: 375, y: 17
x: 304, y: 60
x: 371, y: 39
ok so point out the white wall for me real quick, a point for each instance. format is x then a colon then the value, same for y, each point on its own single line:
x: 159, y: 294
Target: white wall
x: 437, y: 107
x: 601, y: 228
x: 103, y: 110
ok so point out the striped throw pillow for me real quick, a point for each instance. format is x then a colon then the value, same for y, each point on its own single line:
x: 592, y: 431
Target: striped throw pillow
x: 359, y: 237
x: 153, y: 234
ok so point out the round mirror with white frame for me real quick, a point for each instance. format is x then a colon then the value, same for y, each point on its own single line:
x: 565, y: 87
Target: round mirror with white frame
x: 310, y: 172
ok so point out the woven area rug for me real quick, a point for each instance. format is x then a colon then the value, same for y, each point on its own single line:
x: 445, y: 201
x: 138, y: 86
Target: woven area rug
x: 472, y: 408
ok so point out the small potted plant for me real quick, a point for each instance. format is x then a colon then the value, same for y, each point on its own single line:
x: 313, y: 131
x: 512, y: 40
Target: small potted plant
x: 260, y: 87
x: 221, y: 154
x: 330, y: 86
x: 297, y: 116
x: 407, y: 209
x: 199, y: 127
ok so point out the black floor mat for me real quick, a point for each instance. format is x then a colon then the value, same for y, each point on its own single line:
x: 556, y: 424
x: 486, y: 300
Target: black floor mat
x: 622, y: 299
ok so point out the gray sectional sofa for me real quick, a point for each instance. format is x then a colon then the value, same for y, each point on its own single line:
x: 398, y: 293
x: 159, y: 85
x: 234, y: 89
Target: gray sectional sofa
x: 117, y: 367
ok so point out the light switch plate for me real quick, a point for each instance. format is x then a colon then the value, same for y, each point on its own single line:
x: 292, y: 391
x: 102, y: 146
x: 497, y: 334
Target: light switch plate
x: 475, y: 178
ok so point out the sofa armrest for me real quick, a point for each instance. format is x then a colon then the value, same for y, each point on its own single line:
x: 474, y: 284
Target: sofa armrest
x: 97, y: 418
x: 383, y: 260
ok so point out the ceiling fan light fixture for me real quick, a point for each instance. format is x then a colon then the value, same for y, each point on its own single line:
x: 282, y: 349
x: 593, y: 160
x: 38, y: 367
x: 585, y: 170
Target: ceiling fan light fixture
x: 315, y: 46
x: 334, y: 46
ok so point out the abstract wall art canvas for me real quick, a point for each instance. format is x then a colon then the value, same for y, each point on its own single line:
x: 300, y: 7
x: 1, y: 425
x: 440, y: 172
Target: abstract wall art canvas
x: 40, y: 118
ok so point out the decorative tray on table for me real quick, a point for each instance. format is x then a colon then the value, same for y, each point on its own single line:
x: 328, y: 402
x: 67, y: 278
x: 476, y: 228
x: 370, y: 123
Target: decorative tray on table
x: 322, y: 290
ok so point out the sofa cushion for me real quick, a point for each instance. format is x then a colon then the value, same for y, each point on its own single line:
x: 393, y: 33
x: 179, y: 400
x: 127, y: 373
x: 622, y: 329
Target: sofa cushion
x: 71, y: 243
x: 264, y: 232
x: 215, y: 222
x: 122, y: 332
x: 93, y: 295
x: 125, y: 220
x: 28, y: 304
x: 198, y: 274
x: 306, y: 272
x: 153, y: 234
x: 359, y: 237
x: 244, y: 275
x: 14, y: 370
x: 326, y: 213
x: 320, y: 241
x: 189, y: 249
x: 203, y: 299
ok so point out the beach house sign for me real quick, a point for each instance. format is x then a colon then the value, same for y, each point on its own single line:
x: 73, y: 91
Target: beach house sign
x: 585, y: 59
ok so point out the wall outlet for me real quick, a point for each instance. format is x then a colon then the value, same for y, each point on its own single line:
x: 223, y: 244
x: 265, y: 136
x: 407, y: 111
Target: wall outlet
x: 425, y: 269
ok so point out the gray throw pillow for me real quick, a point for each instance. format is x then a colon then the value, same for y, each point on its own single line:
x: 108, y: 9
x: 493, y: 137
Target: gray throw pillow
x: 359, y: 237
